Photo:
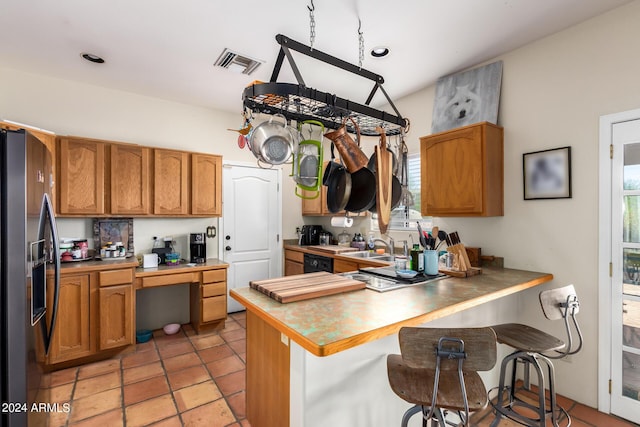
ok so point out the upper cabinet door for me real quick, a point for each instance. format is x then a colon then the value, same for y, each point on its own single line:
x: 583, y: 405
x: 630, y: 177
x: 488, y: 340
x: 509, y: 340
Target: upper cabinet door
x: 206, y: 184
x: 81, y: 176
x: 130, y: 194
x: 171, y: 187
x: 462, y: 171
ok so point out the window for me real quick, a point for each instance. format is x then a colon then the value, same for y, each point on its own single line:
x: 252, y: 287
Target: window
x: 406, y: 217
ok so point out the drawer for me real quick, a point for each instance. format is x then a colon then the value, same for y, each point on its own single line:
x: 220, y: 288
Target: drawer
x: 214, y: 308
x: 116, y: 277
x: 170, y: 279
x: 294, y: 256
x: 211, y: 276
x: 214, y: 289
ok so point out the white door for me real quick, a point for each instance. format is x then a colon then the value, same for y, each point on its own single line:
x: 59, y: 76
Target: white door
x: 625, y: 278
x: 251, y: 226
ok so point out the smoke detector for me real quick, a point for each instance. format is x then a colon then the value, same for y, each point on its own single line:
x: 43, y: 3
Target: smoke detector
x: 237, y: 63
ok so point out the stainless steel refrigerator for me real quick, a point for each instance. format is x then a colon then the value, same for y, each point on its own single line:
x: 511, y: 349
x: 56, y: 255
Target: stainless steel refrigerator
x: 29, y: 247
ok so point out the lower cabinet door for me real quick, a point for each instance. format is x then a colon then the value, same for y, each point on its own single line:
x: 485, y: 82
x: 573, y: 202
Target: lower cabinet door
x: 71, y: 336
x: 214, y: 308
x: 116, y: 316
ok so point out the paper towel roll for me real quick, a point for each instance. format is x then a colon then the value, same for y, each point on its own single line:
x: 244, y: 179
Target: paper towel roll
x: 341, y: 221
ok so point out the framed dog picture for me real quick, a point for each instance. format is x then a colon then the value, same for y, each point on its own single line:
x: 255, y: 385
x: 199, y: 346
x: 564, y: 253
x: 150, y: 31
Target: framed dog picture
x: 466, y: 98
x: 547, y: 174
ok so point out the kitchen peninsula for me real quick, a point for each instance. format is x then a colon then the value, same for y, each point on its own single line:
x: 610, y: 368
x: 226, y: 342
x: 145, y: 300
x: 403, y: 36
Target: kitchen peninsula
x: 322, y: 361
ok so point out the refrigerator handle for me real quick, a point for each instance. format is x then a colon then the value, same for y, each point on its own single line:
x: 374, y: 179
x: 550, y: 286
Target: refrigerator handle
x: 47, y: 214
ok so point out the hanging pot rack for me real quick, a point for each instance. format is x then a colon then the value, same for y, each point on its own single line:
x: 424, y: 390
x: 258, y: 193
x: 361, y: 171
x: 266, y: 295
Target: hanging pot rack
x: 299, y: 102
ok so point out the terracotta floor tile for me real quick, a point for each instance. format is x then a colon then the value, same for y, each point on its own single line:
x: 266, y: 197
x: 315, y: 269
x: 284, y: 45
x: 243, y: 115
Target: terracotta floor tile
x: 233, y: 335
x: 202, y: 342
x: 143, y: 372
x: 181, y: 362
x: 214, y: 414
x: 97, y: 384
x: 225, y: 366
x: 238, y: 404
x: 145, y: 346
x: 238, y: 315
x: 95, y: 404
x: 215, y: 353
x: 595, y: 417
x: 175, y: 349
x: 243, y: 356
x: 98, y: 368
x: 196, y: 395
x: 245, y: 423
x: 239, y: 346
x: 143, y: 390
x: 231, y: 325
x: 140, y: 358
x: 108, y: 419
x: 187, y: 377
x: 57, y: 394
x: 57, y: 419
x: 232, y: 383
x: 169, y: 422
x: 149, y: 411
x: 64, y: 376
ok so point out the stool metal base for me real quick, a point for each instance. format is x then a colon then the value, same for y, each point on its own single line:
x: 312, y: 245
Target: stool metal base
x: 438, y: 415
x: 508, y: 408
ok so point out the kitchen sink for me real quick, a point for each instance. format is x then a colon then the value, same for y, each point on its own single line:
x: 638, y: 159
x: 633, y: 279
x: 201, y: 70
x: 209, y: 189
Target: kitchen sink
x: 367, y: 254
x: 383, y: 279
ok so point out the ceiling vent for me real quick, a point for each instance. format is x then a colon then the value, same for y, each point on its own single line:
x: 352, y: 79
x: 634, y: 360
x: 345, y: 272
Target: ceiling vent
x: 237, y: 63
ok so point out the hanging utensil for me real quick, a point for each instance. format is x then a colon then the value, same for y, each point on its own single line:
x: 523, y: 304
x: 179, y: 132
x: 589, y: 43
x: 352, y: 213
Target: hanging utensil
x: 350, y: 153
x: 384, y: 182
x: 307, y: 163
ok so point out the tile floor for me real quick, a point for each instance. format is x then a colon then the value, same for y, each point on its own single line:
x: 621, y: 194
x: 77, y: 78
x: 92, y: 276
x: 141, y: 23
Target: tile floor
x: 193, y: 380
x: 173, y: 380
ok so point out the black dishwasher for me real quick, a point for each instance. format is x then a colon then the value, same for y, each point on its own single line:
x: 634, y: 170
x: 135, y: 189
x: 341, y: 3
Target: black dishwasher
x: 313, y: 263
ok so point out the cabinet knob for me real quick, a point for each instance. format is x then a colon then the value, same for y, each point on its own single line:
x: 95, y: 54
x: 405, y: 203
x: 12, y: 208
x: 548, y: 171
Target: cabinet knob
x: 227, y: 237
x: 228, y: 248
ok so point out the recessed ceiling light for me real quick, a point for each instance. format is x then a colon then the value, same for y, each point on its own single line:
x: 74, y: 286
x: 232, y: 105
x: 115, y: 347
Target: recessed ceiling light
x: 92, y: 58
x: 379, y: 52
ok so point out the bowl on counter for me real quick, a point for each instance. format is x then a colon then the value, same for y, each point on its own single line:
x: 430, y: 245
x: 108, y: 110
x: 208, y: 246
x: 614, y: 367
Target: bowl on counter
x: 171, y: 328
x: 406, y: 274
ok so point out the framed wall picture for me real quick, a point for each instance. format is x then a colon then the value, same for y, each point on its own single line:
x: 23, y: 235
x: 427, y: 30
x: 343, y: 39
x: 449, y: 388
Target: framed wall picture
x: 468, y: 97
x: 547, y: 174
x: 113, y: 230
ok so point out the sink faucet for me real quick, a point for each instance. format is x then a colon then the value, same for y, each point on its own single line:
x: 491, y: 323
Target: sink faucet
x: 390, y: 246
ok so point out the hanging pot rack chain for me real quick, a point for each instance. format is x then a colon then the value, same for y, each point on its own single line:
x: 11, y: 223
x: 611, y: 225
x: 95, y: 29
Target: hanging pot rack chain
x: 299, y: 102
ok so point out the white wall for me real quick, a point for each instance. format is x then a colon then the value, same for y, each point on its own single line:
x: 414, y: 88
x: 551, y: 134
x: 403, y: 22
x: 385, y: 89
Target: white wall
x: 553, y: 93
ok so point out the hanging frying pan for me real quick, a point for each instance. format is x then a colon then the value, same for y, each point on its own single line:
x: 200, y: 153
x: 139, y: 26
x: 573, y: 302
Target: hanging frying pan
x: 338, y: 183
x: 363, y: 191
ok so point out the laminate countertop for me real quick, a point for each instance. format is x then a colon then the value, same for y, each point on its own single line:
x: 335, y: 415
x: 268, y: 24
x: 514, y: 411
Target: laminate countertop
x: 330, y: 324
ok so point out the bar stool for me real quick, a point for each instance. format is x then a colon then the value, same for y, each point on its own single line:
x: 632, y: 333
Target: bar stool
x: 533, y: 346
x: 438, y: 368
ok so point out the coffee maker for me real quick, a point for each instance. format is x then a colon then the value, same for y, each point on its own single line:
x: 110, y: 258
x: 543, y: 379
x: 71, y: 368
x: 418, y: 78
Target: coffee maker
x: 197, y: 247
x: 310, y: 235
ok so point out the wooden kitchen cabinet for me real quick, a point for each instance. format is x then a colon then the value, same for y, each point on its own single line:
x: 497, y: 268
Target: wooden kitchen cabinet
x: 81, y: 176
x: 170, y: 182
x: 116, y: 316
x: 209, y: 299
x: 49, y: 140
x: 72, y: 334
x: 130, y: 184
x: 293, y: 262
x: 462, y: 171
x: 117, y: 308
x: 206, y: 184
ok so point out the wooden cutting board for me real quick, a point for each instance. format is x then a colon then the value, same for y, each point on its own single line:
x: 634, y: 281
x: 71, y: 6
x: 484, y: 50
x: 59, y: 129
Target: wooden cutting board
x: 305, y: 286
x: 334, y: 249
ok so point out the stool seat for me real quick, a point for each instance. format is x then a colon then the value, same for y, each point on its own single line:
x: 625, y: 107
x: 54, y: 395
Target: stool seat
x: 409, y: 384
x: 526, y: 338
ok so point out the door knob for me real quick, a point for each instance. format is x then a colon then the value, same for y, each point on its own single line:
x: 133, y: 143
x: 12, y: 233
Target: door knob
x: 228, y: 248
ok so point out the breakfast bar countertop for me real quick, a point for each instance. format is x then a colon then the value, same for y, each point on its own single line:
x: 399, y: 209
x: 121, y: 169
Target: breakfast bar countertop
x: 330, y: 324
